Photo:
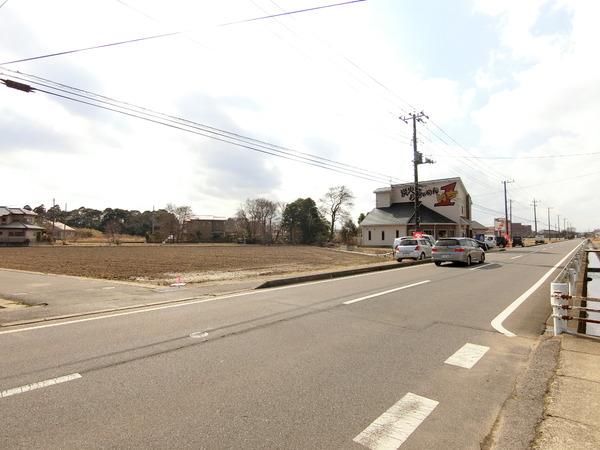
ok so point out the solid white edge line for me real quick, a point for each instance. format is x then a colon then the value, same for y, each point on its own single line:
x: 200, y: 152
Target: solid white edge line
x: 39, y: 385
x: 194, y: 302
x: 515, y: 257
x: 467, y: 356
x: 378, y: 294
x: 497, y: 321
x: 391, y: 429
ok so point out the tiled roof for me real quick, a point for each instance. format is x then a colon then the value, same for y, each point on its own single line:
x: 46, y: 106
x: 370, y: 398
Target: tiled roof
x: 19, y: 226
x: 4, y: 211
x: 402, y: 214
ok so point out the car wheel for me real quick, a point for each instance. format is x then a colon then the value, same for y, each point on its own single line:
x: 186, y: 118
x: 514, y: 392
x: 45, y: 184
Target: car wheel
x: 468, y: 260
x: 421, y: 256
x: 438, y: 263
x: 399, y: 260
x: 482, y: 259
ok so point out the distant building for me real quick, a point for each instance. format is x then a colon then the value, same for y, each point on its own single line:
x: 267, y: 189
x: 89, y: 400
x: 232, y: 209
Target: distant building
x: 204, y: 229
x: 17, y: 226
x: 445, y: 210
x: 518, y: 229
x: 59, y: 230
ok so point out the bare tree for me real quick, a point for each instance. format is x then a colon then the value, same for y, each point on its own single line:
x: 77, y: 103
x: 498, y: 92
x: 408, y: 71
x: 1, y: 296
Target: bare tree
x: 182, y: 214
x: 255, y: 217
x: 335, y: 206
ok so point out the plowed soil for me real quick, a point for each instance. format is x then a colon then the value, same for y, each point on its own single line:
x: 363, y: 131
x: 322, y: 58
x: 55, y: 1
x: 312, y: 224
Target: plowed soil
x: 194, y: 263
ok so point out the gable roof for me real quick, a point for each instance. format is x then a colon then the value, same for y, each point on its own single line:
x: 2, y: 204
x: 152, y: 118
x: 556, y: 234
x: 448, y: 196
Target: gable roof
x: 403, y: 214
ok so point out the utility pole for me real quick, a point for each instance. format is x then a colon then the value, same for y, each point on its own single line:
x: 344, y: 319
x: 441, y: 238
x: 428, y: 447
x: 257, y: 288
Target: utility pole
x: 565, y: 226
x: 558, y: 225
x: 510, y: 217
x: 53, y: 215
x: 549, y: 226
x: 506, y: 208
x: 535, y: 215
x: 417, y: 159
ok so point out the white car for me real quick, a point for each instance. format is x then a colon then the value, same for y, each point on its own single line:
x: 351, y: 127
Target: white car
x: 490, y: 241
x: 411, y: 248
x: 427, y: 237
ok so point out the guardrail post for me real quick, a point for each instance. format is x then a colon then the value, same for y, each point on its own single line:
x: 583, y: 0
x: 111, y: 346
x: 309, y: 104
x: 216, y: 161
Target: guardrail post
x: 572, y: 281
x: 556, y: 289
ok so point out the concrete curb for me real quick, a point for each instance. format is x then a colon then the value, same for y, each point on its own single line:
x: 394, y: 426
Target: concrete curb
x: 337, y: 274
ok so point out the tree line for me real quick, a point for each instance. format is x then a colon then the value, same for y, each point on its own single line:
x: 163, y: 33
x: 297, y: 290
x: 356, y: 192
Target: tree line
x: 257, y: 220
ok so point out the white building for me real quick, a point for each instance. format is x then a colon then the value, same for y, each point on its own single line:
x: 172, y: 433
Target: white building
x: 445, y: 211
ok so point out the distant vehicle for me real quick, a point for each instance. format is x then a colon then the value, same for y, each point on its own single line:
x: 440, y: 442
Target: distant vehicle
x: 490, y: 240
x: 428, y: 237
x: 416, y: 249
x: 501, y: 241
x: 517, y: 240
x: 482, y: 244
x: 539, y: 239
x: 457, y: 249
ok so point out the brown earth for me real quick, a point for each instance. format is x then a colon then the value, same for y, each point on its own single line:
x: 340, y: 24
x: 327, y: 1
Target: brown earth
x: 194, y: 263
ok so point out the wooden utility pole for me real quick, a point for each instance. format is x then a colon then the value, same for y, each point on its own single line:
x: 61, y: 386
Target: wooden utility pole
x: 535, y: 214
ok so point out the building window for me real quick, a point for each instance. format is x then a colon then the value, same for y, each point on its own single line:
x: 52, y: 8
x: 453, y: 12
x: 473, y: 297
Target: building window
x: 16, y: 233
x: 369, y: 234
x: 397, y: 233
x: 383, y: 235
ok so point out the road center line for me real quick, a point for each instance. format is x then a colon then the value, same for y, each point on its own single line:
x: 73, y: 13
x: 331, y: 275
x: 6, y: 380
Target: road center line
x: 515, y: 257
x: 480, y: 266
x: 467, y: 356
x: 39, y: 385
x: 497, y: 322
x: 349, y: 302
x: 393, y: 427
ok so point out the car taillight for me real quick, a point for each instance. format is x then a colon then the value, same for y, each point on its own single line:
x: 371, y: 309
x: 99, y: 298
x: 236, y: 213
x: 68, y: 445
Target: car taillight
x: 460, y: 250
x: 397, y: 247
x: 434, y: 249
x: 417, y: 248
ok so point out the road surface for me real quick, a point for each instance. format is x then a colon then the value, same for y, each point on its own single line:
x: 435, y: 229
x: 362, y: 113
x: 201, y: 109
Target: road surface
x: 406, y: 357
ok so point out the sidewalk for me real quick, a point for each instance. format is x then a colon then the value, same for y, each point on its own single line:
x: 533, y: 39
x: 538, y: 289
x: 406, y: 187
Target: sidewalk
x: 571, y: 417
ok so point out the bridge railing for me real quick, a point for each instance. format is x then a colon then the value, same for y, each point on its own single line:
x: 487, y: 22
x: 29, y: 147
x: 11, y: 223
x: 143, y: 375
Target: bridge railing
x: 563, y: 292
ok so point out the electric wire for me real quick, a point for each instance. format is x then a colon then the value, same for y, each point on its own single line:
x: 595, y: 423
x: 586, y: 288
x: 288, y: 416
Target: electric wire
x: 174, y: 33
x: 210, y: 132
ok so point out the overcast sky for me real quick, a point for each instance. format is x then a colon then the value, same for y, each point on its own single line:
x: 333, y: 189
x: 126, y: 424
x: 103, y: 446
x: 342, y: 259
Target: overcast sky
x: 510, y: 79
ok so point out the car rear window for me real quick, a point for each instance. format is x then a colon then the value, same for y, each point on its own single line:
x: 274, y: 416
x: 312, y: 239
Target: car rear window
x: 408, y: 242
x: 447, y: 242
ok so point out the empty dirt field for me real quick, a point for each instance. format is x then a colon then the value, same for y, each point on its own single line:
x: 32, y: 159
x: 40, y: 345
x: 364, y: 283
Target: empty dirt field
x: 194, y: 263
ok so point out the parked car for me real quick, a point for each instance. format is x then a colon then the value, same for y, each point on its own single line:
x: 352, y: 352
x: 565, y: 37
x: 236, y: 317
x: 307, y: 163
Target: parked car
x: 425, y: 236
x: 517, y: 240
x: 416, y: 249
x: 457, y: 249
x: 501, y: 241
x: 482, y: 244
x: 539, y: 239
x: 490, y: 240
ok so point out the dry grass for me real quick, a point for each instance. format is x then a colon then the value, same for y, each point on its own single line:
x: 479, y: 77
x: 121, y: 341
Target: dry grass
x: 162, y: 263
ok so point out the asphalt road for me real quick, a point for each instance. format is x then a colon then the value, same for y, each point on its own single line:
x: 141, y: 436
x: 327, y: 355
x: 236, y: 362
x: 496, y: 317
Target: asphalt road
x: 306, y: 366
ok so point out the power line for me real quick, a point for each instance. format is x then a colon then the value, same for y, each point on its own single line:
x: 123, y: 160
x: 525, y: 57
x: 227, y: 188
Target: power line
x: 174, y: 33
x: 3, y: 3
x: 200, y: 129
x: 528, y: 157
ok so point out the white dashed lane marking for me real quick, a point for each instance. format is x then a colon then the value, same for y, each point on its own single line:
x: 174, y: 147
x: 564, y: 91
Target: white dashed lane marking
x: 39, y: 385
x: 393, y: 427
x: 467, y: 356
x: 378, y: 294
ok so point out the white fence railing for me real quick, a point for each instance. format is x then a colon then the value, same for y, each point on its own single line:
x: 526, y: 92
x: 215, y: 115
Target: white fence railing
x: 563, y: 290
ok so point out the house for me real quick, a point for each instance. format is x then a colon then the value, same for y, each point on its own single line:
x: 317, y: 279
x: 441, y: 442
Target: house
x: 60, y: 231
x: 17, y: 226
x: 445, y: 210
